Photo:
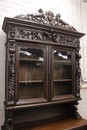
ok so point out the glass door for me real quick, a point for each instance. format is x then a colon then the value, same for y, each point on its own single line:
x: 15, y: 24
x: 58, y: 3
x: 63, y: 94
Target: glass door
x: 62, y: 76
x: 32, y: 77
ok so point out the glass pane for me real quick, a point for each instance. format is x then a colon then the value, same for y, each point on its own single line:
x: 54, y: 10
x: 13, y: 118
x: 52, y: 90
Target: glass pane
x: 31, y: 53
x: 31, y: 90
x: 62, y: 88
x: 62, y: 74
x: 61, y: 55
x: 62, y: 71
x: 31, y: 73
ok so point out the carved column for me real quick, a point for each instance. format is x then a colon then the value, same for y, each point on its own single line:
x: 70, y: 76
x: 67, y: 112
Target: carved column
x: 72, y: 110
x: 78, y: 71
x: 11, y: 71
x: 9, y: 119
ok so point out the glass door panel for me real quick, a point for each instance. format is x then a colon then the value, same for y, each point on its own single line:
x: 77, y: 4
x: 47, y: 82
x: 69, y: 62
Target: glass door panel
x: 31, y: 73
x: 62, y: 72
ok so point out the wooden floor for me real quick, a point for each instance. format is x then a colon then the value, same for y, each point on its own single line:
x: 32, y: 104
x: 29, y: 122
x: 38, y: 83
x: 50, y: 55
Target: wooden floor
x: 69, y: 124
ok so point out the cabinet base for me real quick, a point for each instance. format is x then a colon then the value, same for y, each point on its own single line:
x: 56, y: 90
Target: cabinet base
x: 69, y: 124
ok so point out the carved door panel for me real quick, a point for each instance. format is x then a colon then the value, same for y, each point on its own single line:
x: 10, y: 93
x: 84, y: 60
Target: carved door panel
x: 63, y: 70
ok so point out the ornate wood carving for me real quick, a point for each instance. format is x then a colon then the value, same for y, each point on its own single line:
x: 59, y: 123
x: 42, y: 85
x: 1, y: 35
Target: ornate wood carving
x: 27, y: 34
x: 65, y: 39
x: 46, y: 18
x: 9, y: 120
x: 12, y: 31
x: 72, y: 107
x: 78, y: 71
x: 11, y: 75
x: 43, y: 36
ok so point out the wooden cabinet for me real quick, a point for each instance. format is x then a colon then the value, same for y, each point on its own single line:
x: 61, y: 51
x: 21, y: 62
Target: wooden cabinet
x: 42, y: 70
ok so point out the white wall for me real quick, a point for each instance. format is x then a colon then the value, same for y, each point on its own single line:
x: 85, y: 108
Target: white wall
x: 84, y: 43
x: 70, y: 11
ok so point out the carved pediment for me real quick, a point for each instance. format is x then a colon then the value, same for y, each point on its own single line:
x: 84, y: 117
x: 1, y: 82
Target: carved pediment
x: 47, y: 18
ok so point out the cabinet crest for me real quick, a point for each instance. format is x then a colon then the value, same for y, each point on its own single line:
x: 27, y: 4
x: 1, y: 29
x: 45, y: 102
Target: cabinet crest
x: 47, y: 18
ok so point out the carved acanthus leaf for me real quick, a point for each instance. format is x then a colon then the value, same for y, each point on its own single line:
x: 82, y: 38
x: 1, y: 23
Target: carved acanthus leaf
x: 47, y: 18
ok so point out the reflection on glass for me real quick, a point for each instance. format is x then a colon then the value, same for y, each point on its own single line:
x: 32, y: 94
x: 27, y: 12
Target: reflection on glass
x: 31, y: 53
x: 61, y: 55
x: 31, y: 74
x: 62, y: 74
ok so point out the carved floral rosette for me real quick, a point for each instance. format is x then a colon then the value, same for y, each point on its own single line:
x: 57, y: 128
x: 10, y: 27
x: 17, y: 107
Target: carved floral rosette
x: 11, y: 74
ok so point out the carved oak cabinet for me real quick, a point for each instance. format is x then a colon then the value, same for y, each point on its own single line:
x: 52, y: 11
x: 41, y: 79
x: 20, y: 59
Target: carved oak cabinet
x: 42, y: 70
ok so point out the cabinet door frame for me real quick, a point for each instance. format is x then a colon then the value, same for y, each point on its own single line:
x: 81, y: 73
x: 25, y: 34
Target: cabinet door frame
x: 67, y: 96
x: 35, y: 100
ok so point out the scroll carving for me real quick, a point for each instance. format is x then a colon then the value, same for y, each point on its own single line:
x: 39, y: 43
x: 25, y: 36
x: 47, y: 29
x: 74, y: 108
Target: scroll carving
x: 11, y: 76
x: 47, y: 18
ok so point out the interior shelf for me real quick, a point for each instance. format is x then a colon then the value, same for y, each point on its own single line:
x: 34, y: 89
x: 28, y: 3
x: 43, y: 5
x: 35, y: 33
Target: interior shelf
x: 31, y: 81
x: 35, y: 60
x: 62, y: 80
x: 63, y: 62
